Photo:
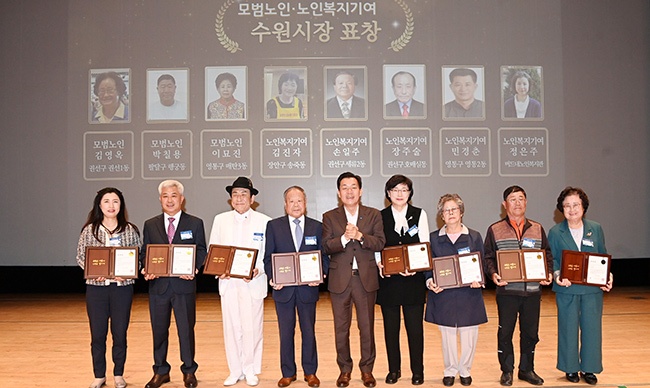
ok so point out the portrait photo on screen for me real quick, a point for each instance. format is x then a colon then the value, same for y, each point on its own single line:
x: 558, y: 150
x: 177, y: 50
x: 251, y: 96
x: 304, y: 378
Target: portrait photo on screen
x: 226, y: 93
x: 405, y: 92
x: 522, y: 93
x: 109, y: 96
x: 345, y: 93
x: 463, y: 88
x: 285, y: 93
x: 167, y: 95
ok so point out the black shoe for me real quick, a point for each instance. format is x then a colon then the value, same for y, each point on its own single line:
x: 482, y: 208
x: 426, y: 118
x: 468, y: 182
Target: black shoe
x: 417, y: 379
x: 466, y: 380
x: 448, y: 381
x: 392, y: 377
x: 589, y: 378
x: 506, y: 379
x: 530, y: 377
x: 573, y: 377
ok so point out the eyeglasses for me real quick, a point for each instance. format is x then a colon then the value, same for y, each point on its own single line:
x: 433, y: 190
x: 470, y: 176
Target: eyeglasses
x: 107, y: 91
x: 451, y: 210
x: 400, y: 191
x: 572, y: 206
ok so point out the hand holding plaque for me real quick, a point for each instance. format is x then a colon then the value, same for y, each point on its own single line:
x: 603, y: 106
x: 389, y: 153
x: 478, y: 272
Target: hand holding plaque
x: 297, y: 268
x: 111, y: 262
x: 236, y: 262
x: 170, y: 260
x: 409, y: 257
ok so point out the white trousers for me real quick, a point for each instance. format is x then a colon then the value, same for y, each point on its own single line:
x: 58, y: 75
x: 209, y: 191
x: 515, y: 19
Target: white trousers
x: 243, y: 318
x: 468, y: 339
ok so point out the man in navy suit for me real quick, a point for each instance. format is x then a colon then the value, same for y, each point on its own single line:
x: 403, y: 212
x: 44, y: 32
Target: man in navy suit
x: 295, y: 232
x: 173, y: 226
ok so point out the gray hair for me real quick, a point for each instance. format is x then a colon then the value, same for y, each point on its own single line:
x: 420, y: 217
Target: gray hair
x: 171, y: 183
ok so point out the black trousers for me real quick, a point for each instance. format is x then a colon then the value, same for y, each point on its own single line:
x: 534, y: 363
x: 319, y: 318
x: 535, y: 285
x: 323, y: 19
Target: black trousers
x: 413, y: 315
x: 104, y: 303
x: 527, y: 309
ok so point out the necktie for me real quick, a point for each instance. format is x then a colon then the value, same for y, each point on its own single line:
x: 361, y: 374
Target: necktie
x: 171, y: 230
x: 345, y: 109
x: 405, y: 110
x: 298, y: 234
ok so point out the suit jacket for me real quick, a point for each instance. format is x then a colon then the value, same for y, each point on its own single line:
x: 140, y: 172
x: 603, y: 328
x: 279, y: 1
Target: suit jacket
x: 222, y: 233
x: 280, y: 240
x: 417, y: 109
x: 358, y: 110
x: 559, y: 238
x: 371, y: 226
x: 154, y: 232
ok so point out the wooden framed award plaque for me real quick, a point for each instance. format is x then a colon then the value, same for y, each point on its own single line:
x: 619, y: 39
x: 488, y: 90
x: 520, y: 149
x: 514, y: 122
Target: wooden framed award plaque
x: 235, y: 262
x: 297, y: 268
x: 587, y: 268
x: 412, y: 257
x: 522, y: 265
x: 170, y: 260
x: 111, y: 262
x: 458, y: 270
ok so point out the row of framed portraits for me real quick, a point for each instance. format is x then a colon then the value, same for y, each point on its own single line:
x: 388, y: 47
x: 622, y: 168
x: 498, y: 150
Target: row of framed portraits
x: 287, y: 96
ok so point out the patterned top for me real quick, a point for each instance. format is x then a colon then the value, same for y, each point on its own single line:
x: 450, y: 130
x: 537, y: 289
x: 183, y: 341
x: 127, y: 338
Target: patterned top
x: 128, y: 238
x: 220, y: 110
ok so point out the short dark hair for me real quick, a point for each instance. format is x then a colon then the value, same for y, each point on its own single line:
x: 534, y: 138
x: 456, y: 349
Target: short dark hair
x: 164, y: 77
x: 462, y: 72
x: 120, y: 86
x: 226, y: 76
x: 342, y: 72
x: 347, y: 174
x: 572, y: 191
x: 396, y: 180
x: 516, y: 76
x: 287, y: 77
x: 392, y: 80
x: 513, y: 189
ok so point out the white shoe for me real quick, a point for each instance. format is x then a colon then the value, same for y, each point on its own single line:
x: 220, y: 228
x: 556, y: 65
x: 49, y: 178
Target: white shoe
x: 252, y: 380
x: 232, y: 380
x: 120, y: 382
x: 98, y: 383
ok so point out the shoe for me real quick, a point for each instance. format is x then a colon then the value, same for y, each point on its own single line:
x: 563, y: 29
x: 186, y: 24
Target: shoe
x: 98, y: 383
x: 368, y: 379
x: 232, y: 380
x: 506, y: 379
x: 119, y: 382
x: 344, y: 379
x: 448, y: 381
x: 589, y: 378
x: 190, y: 380
x: 392, y: 377
x: 252, y: 380
x: 466, y: 380
x: 286, y: 381
x: 573, y: 377
x: 531, y: 377
x: 157, y: 380
x: 312, y: 380
x: 417, y: 379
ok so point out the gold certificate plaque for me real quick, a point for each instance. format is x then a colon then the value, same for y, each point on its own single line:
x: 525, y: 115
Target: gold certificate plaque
x: 236, y: 262
x: 297, y: 268
x: 458, y: 270
x: 111, y: 262
x: 170, y: 260
x: 587, y: 268
x: 412, y: 257
x: 522, y: 265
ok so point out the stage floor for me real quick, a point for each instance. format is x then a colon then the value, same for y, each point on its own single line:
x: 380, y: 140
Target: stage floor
x: 45, y: 342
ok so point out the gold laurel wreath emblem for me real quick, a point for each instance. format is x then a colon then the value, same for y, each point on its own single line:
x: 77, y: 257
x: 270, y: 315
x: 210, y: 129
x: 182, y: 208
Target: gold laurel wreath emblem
x: 404, y: 39
x: 225, y: 41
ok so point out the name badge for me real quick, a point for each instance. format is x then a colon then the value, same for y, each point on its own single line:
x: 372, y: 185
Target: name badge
x: 587, y: 242
x: 462, y: 251
x: 186, y: 235
x: 258, y: 236
x: 413, y: 230
x: 114, y: 241
x: 310, y: 240
x: 528, y: 243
